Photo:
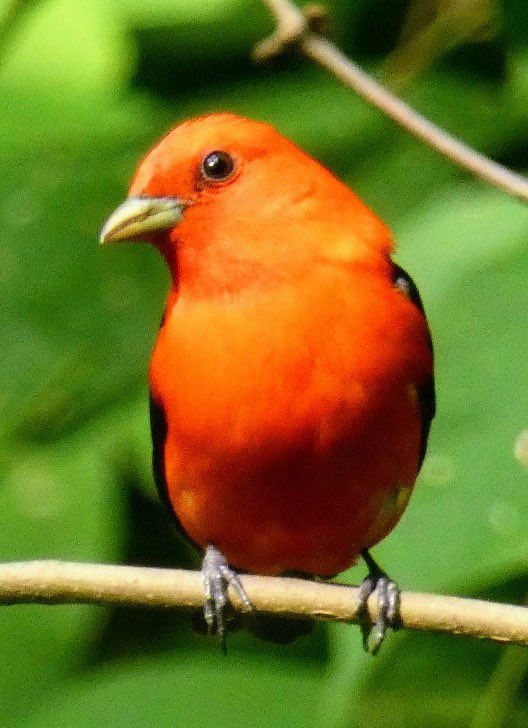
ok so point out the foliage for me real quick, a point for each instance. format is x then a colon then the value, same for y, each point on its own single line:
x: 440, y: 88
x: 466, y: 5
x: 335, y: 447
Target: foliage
x: 86, y: 89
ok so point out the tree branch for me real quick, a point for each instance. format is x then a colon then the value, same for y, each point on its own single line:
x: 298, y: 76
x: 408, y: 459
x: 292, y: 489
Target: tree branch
x: 295, y: 29
x: 57, y: 582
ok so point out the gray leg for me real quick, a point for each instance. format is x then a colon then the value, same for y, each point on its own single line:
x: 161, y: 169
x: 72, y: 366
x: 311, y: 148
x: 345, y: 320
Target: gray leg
x: 217, y: 577
x: 388, y: 605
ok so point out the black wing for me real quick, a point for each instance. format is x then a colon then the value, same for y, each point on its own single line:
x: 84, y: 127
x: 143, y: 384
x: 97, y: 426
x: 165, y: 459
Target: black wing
x: 426, y: 392
x: 158, y: 429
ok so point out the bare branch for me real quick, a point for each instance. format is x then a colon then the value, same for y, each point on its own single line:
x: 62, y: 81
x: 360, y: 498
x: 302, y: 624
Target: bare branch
x: 56, y: 582
x: 294, y: 30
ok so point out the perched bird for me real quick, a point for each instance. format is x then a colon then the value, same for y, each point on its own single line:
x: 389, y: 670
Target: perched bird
x: 292, y: 378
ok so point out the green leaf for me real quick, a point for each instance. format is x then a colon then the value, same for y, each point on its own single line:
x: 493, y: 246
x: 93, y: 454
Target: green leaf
x: 187, y: 689
x: 57, y: 501
x: 68, y: 48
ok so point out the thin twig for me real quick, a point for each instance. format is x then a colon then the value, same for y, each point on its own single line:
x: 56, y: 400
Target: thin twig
x: 57, y: 582
x: 294, y: 30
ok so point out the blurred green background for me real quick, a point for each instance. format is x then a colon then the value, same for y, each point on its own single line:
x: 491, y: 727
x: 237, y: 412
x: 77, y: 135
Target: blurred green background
x: 85, y: 89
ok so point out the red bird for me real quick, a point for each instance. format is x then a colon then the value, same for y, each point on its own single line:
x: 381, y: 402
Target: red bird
x: 292, y: 377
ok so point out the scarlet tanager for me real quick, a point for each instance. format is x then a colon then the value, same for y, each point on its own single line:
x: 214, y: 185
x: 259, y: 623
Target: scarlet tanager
x: 292, y: 378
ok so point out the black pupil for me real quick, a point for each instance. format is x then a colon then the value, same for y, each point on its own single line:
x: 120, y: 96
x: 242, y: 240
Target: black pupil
x: 218, y: 165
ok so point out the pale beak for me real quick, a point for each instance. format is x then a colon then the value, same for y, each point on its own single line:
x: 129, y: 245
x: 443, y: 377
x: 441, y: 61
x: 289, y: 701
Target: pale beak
x: 139, y: 217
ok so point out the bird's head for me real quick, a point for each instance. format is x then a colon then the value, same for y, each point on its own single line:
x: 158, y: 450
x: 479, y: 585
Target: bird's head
x: 232, y: 204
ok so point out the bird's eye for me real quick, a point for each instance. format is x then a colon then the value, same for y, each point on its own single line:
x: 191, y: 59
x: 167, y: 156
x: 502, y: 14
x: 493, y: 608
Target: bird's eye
x: 218, y: 166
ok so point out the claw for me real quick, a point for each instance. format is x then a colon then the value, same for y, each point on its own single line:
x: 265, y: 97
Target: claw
x: 388, y: 596
x: 218, y: 576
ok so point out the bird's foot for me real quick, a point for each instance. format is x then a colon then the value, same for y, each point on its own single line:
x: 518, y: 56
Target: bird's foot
x: 218, y: 576
x: 388, y: 595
